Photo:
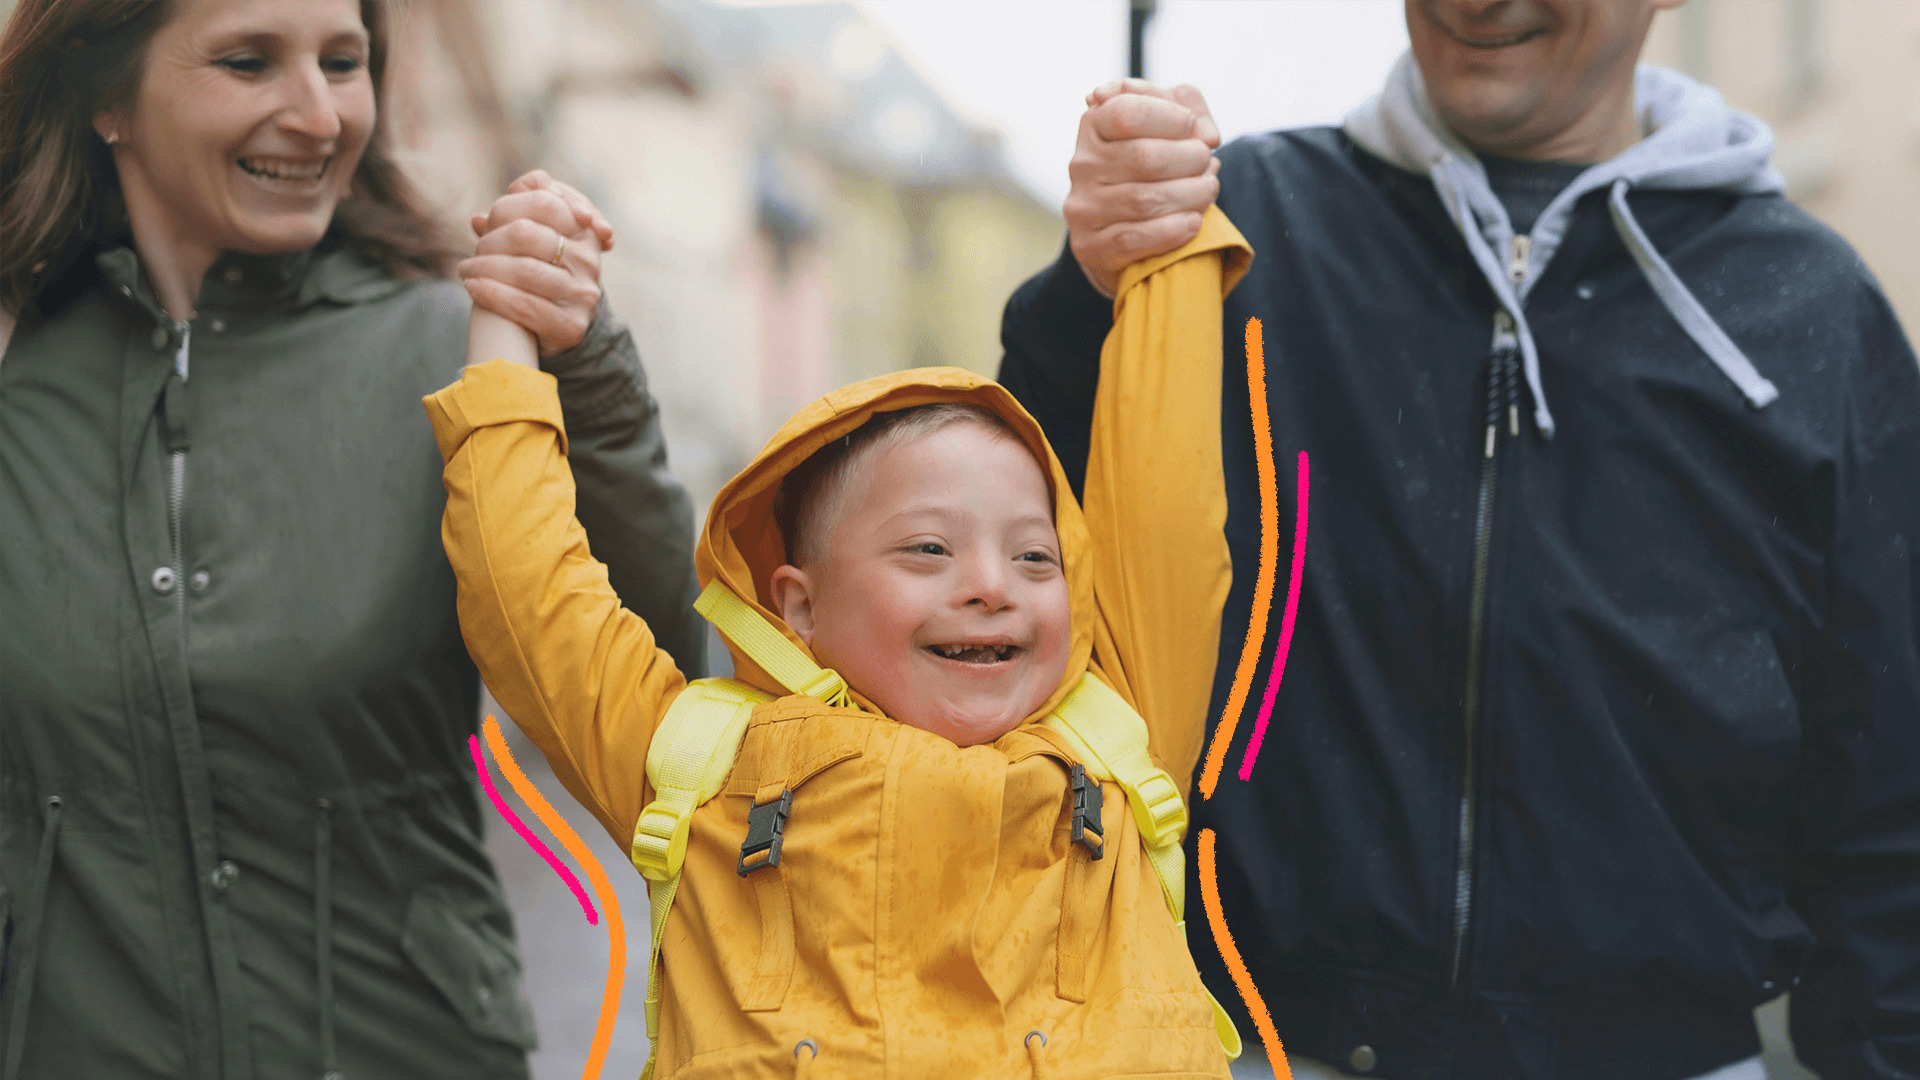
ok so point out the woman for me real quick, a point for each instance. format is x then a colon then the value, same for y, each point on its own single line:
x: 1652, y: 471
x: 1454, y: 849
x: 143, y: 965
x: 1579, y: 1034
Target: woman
x: 238, y: 831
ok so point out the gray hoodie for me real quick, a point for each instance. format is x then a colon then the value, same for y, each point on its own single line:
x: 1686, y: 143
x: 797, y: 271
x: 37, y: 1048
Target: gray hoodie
x: 1693, y: 142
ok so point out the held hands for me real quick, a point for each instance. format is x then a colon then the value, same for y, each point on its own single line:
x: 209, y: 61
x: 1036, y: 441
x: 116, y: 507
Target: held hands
x: 1143, y: 170
x: 535, y: 274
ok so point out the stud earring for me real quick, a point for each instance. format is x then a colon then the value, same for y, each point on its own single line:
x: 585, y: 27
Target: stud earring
x: 111, y: 137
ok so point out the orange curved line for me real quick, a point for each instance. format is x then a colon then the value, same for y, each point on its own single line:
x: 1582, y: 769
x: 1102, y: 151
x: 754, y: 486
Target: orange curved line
x: 1242, y: 980
x: 602, y: 891
x: 1269, y: 558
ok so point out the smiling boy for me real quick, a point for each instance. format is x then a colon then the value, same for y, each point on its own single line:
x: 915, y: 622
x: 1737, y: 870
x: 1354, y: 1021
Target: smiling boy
x: 925, y: 858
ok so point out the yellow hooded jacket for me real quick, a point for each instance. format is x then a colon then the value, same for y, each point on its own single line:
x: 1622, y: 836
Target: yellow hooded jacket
x: 929, y: 910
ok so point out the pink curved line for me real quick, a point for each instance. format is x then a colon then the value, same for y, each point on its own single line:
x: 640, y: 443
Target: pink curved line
x: 1286, y: 626
x: 513, y: 819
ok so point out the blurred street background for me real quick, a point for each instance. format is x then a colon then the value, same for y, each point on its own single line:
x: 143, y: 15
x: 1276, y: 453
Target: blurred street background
x: 807, y: 194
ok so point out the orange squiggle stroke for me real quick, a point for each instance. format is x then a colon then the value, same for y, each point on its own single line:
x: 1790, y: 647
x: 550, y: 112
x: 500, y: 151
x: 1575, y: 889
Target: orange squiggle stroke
x: 1269, y: 560
x: 1242, y: 979
x: 596, y: 877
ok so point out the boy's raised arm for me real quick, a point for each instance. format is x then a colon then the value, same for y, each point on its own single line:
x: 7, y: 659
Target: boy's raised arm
x: 1156, y: 501
x: 579, y: 673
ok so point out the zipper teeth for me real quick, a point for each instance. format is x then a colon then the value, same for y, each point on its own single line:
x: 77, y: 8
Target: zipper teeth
x: 177, y: 485
x: 1476, y: 612
x: 1500, y: 385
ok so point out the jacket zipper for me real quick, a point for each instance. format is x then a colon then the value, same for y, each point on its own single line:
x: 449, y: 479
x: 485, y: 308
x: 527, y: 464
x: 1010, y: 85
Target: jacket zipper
x: 177, y: 478
x: 1502, y: 375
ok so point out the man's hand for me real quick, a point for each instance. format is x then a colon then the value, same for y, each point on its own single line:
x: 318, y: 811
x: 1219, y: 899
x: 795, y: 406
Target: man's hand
x: 538, y: 260
x: 1143, y: 170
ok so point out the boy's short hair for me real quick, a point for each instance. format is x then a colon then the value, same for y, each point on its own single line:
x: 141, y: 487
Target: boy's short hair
x: 814, y: 497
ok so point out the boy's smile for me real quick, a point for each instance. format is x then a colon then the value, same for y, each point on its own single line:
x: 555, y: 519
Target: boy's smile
x: 941, y: 595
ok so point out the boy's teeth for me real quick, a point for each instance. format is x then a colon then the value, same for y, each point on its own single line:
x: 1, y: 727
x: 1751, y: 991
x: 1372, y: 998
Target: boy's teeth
x: 975, y: 654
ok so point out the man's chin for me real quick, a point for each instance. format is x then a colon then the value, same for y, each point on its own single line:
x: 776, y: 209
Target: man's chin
x: 1488, y: 114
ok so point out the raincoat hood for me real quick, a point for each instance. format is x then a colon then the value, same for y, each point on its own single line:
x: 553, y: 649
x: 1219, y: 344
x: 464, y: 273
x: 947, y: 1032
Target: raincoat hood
x: 741, y: 545
x: 1693, y: 142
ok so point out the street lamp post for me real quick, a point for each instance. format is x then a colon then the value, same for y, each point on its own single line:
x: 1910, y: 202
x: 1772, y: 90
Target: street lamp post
x: 1138, y: 12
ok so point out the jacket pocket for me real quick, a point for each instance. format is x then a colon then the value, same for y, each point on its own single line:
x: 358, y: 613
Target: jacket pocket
x: 776, y: 761
x: 471, y: 964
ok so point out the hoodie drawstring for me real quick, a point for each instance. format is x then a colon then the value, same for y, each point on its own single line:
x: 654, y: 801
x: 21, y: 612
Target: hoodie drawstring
x: 30, y: 953
x: 323, y: 936
x: 1686, y: 310
x: 1037, y: 1054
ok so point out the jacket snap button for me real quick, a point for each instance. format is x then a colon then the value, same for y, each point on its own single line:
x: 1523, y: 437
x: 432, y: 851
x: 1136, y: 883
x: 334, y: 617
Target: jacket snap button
x: 1584, y: 291
x: 159, y: 337
x: 200, y: 580
x: 219, y: 326
x: 233, y: 275
x: 484, y: 995
x: 163, y: 580
x: 1363, y: 1059
x: 224, y: 874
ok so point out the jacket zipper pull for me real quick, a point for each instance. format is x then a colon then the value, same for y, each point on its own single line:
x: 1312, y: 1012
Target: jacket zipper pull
x: 1517, y: 258
x: 1500, y: 364
x: 174, y: 420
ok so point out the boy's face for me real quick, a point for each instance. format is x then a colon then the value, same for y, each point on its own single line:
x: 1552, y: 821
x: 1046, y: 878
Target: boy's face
x: 940, y: 595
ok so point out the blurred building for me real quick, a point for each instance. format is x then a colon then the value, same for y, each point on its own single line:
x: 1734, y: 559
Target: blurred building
x: 796, y: 206
x: 1839, y: 81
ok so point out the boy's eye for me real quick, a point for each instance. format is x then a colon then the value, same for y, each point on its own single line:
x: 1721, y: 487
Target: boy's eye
x: 246, y: 65
x: 929, y: 548
x: 1035, y: 556
x: 340, y: 65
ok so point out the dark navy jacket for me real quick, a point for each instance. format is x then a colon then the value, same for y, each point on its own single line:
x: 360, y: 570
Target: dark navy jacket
x: 1680, y: 774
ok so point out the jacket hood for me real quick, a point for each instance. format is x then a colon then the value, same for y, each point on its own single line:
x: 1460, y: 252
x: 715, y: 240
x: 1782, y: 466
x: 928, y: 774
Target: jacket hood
x: 1693, y: 142
x: 741, y: 544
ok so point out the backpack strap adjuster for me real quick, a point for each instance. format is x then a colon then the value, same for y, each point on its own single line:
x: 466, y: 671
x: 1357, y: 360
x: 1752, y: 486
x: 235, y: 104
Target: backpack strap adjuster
x: 766, y: 828
x: 1087, y: 804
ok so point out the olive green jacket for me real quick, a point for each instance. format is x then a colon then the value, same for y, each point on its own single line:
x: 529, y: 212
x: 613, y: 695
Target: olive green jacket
x: 239, y: 830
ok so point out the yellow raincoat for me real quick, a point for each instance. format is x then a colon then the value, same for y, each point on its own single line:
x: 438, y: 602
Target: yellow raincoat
x: 929, y: 910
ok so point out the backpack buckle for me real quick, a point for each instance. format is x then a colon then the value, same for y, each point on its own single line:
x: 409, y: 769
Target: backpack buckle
x: 1087, y: 803
x: 766, y: 827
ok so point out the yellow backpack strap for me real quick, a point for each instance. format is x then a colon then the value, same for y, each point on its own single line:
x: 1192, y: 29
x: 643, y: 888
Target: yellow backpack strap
x: 687, y: 764
x: 1110, y: 739
x: 768, y: 647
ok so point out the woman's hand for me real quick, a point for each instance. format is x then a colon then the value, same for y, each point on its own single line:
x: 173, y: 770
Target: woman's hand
x: 538, y: 260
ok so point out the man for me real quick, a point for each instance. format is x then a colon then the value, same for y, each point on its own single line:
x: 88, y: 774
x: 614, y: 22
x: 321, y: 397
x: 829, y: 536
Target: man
x: 1602, y: 721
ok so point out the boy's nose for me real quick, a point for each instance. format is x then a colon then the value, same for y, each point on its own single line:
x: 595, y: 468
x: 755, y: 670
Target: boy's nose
x: 986, y: 586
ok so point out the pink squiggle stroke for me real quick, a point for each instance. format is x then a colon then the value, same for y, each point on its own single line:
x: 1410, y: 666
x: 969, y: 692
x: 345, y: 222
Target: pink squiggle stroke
x: 513, y: 819
x: 1286, y: 626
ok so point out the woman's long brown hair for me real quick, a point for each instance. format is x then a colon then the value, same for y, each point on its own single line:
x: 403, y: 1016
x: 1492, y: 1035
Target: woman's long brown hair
x: 61, y: 63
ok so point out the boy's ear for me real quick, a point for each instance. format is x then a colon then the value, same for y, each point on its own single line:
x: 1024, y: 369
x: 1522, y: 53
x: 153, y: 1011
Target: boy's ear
x: 793, y: 600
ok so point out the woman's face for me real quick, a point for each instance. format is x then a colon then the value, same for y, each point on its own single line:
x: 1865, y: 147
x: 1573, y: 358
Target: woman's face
x: 248, y: 123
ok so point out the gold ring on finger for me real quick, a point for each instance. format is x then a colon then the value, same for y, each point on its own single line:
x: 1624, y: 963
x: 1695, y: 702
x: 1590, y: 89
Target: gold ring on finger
x: 559, y: 251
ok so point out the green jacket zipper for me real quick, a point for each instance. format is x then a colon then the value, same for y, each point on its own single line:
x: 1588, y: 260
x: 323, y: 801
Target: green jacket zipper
x: 1502, y: 378
x: 174, y: 406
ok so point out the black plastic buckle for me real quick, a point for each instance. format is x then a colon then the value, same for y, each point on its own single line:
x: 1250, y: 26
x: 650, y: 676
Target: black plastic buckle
x: 766, y: 825
x: 1087, y: 801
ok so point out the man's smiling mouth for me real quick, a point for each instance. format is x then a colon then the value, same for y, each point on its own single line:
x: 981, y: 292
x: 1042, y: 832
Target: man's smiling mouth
x: 975, y: 654
x: 1500, y: 42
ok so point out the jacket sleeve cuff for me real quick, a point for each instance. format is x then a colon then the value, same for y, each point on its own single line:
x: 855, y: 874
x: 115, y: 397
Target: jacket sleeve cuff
x: 496, y: 392
x: 601, y: 377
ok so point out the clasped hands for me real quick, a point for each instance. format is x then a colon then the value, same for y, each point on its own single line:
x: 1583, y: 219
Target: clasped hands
x: 537, y: 266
